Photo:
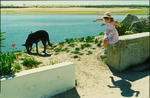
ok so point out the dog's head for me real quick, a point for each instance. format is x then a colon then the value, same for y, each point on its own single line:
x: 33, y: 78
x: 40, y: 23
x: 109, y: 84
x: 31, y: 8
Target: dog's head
x: 27, y: 47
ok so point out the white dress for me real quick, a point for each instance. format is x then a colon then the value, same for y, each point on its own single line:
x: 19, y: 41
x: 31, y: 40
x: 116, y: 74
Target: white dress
x: 111, y: 34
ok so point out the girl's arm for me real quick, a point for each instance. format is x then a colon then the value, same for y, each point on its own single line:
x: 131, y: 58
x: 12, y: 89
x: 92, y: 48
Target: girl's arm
x: 98, y: 20
x: 117, y: 24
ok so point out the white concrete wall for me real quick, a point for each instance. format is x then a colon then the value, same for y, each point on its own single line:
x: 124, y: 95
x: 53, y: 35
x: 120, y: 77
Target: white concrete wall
x: 41, y: 82
x: 130, y: 50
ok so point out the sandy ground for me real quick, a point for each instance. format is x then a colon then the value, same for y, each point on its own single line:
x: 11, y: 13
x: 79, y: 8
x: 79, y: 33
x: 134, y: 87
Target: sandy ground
x: 49, y: 10
x: 93, y: 77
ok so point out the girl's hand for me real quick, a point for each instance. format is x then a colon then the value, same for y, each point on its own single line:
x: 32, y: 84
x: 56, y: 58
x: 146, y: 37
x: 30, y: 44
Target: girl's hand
x: 94, y: 20
x: 98, y: 20
x: 117, y: 24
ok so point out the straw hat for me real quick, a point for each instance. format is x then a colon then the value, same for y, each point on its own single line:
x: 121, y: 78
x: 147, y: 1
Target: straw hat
x: 107, y: 14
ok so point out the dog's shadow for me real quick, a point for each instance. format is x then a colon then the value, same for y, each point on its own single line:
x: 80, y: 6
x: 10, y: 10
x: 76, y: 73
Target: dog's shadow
x: 41, y: 55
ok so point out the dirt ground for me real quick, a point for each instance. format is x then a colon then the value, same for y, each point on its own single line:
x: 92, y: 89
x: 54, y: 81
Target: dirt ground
x: 94, y: 79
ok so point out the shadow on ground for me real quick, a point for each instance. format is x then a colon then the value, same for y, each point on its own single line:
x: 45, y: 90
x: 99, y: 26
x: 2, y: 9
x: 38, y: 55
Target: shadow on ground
x: 130, y: 75
x: 41, y: 55
x: 7, y: 77
x: 68, y: 94
x: 125, y: 87
x: 134, y: 73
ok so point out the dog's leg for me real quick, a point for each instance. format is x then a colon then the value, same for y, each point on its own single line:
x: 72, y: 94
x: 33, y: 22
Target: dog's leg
x: 44, y: 44
x: 30, y: 48
x: 37, y: 48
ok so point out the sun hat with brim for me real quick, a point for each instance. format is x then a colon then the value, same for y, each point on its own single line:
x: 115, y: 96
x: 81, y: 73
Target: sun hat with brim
x: 107, y: 15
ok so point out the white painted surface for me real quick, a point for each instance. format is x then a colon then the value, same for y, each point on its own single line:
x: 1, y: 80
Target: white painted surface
x: 41, y: 82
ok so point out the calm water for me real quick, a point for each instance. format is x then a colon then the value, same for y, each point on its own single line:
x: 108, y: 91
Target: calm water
x: 59, y: 27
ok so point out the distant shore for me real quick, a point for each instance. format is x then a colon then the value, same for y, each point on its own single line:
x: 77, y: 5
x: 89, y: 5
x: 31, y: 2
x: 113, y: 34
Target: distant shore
x: 74, y: 10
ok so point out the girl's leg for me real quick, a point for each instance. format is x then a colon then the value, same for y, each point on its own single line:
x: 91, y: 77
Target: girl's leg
x: 105, y: 46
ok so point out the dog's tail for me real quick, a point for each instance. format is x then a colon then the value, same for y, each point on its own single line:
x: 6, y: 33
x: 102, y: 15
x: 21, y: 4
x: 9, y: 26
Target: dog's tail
x: 49, y: 42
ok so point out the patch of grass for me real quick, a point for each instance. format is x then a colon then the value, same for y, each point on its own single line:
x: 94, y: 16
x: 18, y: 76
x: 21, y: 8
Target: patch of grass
x: 30, y: 62
x: 76, y: 83
x: 58, y: 49
x: 16, y: 68
x: 77, y: 49
x: 71, y: 40
x: 81, y: 39
x: 71, y: 45
x: 85, y: 45
x: 96, y: 41
x: 61, y: 44
x: 99, y: 43
x: 89, y: 39
x: 101, y: 33
x: 65, y: 49
x: 89, y: 52
x: 75, y: 56
x: 75, y: 52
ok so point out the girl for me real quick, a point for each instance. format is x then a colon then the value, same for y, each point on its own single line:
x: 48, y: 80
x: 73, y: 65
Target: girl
x: 111, y: 35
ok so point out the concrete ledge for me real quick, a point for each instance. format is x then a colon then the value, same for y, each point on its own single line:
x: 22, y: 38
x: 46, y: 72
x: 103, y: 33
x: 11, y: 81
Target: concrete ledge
x: 130, y: 50
x: 40, y: 82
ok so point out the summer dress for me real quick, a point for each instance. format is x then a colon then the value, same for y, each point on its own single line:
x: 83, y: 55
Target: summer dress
x: 111, y: 34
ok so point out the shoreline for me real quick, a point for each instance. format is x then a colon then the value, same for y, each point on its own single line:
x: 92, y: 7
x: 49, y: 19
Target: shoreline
x: 73, y: 10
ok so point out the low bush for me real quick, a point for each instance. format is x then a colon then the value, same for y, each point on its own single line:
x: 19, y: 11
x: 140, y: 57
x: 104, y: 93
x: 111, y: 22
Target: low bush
x: 89, y: 39
x: 81, y: 39
x: 89, y: 52
x: 101, y: 33
x: 7, y: 65
x: 30, y: 62
x: 72, y: 45
x: 58, y: 49
x: 61, y: 44
x: 99, y: 43
x: 71, y: 40
x: 75, y: 56
x: 124, y: 27
x: 77, y: 49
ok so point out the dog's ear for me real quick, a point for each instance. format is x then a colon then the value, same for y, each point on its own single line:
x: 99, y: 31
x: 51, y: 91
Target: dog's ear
x: 23, y: 44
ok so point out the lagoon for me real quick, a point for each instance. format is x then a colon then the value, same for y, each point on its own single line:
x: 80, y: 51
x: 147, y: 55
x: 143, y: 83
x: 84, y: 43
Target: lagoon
x: 59, y: 27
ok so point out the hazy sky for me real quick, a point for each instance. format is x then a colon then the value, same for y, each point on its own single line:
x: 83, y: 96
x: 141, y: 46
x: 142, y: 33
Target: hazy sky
x: 75, y: 2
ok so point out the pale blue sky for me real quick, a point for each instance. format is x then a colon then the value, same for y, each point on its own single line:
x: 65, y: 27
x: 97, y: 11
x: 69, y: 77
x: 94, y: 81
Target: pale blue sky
x: 100, y: 2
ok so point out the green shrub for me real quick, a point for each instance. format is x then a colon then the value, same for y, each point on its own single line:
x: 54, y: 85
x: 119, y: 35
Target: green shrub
x: 75, y: 52
x: 101, y: 33
x: 96, y: 40
x: 82, y: 46
x: 7, y: 63
x: 124, y: 27
x: 72, y: 45
x: 65, y: 49
x: 89, y: 52
x: 61, y: 43
x: 81, y: 39
x: 87, y: 45
x: 58, y: 49
x: 30, y: 62
x: 76, y: 56
x: 77, y: 49
x: 89, y: 39
x: 71, y: 40
x: 99, y: 43
x: 16, y: 68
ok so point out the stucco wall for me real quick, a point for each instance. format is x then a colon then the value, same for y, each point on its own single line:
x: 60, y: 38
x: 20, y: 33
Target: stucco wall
x: 40, y: 82
x: 128, y: 51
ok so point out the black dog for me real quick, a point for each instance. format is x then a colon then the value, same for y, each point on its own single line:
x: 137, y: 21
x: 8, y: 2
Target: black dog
x: 35, y: 37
